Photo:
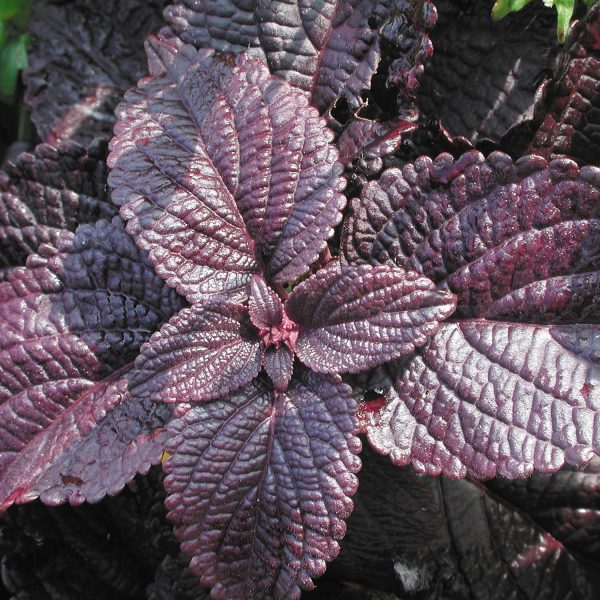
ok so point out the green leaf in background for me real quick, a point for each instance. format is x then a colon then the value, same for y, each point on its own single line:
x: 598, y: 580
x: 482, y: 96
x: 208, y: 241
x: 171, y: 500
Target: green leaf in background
x: 504, y: 7
x: 14, y: 40
x: 9, y: 8
x: 13, y: 58
x: 17, y: 11
x: 564, y: 10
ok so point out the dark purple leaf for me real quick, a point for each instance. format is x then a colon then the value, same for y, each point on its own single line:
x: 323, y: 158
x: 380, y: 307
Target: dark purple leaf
x: 82, y: 57
x: 516, y: 241
x: 173, y: 580
x: 259, y: 485
x: 330, y: 50
x: 512, y: 386
x: 484, y: 74
x: 44, y: 193
x: 208, y: 202
x: 427, y: 537
x: 77, y: 313
x: 225, y: 26
x: 65, y: 552
x: 97, y: 445
x: 367, y: 143
x: 352, y: 318
x: 565, y: 503
x: 202, y: 353
x: 264, y: 305
x: 485, y: 397
x: 572, y: 102
x: 279, y: 364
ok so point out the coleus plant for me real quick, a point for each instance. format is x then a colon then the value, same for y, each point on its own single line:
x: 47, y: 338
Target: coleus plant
x: 211, y: 330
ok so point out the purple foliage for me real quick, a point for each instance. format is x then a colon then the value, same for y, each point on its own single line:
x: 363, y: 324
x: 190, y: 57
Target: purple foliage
x: 208, y: 326
x: 228, y: 215
x: 330, y: 50
x: 258, y: 485
x: 484, y: 75
x: 568, y: 108
x: 83, y: 57
x: 44, y: 193
x: 511, y: 385
x: 69, y: 320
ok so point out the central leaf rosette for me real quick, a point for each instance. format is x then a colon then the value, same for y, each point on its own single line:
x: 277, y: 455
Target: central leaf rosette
x: 228, y: 179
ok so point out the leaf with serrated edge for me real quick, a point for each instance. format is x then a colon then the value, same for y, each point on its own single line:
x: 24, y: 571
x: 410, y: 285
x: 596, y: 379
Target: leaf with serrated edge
x: 209, y: 203
x: 485, y: 398
x: 96, y: 446
x: 67, y: 321
x: 44, y: 193
x: 202, y: 353
x: 279, y: 365
x: 264, y: 305
x: 329, y: 50
x: 511, y: 386
x: 259, y: 485
x: 83, y: 56
x: 352, y: 318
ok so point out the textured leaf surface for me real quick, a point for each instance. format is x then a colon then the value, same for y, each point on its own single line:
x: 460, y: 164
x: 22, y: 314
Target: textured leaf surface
x: 515, y: 241
x: 572, y: 102
x: 354, y: 318
x: 173, y: 580
x: 279, y: 365
x: 208, y: 201
x: 264, y: 305
x: 488, y: 397
x: 75, y: 314
x: 512, y: 386
x: 202, y: 353
x: 82, y: 57
x: 483, y: 76
x: 44, y: 193
x: 330, y: 50
x: 259, y: 485
x: 364, y: 143
x: 97, y: 445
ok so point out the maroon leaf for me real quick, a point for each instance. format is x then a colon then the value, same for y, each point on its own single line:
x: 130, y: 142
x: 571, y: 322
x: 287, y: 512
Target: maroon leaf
x: 330, y: 50
x: 279, y: 365
x: 428, y: 536
x: 571, y: 102
x: 484, y: 74
x: 207, y: 202
x: 258, y: 485
x: 564, y: 503
x: 367, y: 142
x: 518, y: 243
x: 485, y: 397
x: 47, y: 192
x: 354, y: 318
x: 96, y: 446
x: 264, y: 305
x: 82, y: 58
x: 512, y: 240
x: 77, y: 313
x: 202, y: 353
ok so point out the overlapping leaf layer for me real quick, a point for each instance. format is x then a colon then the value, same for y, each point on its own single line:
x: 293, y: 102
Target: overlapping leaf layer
x: 511, y: 384
x: 69, y: 320
x: 475, y: 280
x: 229, y: 215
